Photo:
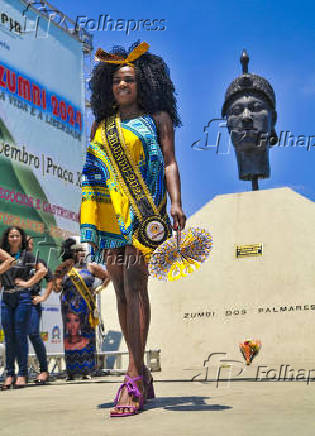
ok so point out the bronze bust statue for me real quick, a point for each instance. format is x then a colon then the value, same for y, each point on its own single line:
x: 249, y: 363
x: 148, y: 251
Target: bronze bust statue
x: 250, y: 110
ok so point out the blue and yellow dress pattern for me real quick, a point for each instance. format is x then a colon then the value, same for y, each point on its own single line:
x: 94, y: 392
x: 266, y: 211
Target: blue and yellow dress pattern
x: 80, y: 359
x: 107, y: 216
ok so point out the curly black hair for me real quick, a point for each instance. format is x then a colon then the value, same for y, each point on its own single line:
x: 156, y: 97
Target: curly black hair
x: 156, y: 91
x: 4, y: 242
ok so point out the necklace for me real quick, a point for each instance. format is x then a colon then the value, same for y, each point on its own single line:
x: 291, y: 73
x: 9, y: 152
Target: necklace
x: 16, y: 255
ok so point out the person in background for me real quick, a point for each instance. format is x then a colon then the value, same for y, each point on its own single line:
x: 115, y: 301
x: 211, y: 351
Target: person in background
x: 76, y: 279
x: 16, y: 305
x: 33, y: 333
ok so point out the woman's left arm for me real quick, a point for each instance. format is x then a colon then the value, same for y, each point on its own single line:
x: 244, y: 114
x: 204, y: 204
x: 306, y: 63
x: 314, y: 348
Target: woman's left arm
x: 40, y: 273
x: 166, y: 139
x: 42, y: 298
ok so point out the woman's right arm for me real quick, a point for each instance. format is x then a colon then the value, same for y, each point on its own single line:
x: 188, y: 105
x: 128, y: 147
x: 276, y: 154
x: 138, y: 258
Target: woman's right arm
x: 6, y: 261
x: 60, y: 272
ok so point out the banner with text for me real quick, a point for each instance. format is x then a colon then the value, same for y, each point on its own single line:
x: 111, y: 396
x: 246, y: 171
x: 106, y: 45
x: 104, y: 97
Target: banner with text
x: 42, y: 137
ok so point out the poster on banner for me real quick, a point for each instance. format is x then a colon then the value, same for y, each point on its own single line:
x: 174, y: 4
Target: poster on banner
x: 42, y: 140
x: 51, y: 326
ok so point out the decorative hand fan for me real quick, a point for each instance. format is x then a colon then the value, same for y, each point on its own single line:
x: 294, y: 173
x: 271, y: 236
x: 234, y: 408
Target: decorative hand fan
x: 250, y: 349
x: 180, y: 256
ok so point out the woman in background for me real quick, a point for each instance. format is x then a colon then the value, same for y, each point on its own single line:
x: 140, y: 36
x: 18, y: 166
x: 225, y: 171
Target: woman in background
x: 16, y: 305
x: 33, y: 333
x: 75, y: 279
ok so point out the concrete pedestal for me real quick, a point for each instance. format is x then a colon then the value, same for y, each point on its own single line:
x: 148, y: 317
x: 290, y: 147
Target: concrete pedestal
x: 270, y: 297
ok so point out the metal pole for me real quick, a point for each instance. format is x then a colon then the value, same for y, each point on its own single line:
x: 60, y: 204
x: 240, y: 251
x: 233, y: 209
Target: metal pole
x: 255, y: 186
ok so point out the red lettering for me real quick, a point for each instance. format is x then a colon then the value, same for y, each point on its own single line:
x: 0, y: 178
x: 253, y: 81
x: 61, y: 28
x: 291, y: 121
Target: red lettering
x: 36, y: 95
x: 24, y: 88
x: 11, y: 81
x: 79, y: 119
x: 54, y: 103
x: 2, y: 72
x: 71, y: 115
x: 44, y: 102
x: 63, y: 110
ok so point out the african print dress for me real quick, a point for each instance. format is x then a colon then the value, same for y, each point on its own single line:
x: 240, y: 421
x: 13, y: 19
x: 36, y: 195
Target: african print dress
x: 79, y: 336
x: 107, y: 216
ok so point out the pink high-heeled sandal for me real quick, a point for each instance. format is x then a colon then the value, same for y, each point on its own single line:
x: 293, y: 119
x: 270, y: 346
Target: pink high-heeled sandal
x: 133, y: 391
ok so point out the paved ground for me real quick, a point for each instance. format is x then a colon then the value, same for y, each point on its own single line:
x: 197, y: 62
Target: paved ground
x: 82, y: 408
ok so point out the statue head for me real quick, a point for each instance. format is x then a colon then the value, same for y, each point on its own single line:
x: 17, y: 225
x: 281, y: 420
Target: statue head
x: 250, y: 110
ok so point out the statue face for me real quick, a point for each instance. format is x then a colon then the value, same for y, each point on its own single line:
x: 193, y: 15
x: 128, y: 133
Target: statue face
x: 249, y: 120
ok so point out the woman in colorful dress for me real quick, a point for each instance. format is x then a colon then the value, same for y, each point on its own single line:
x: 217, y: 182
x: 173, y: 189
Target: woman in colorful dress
x: 76, y: 279
x: 130, y: 164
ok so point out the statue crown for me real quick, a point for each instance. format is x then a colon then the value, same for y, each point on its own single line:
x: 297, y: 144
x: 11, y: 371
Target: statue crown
x: 248, y: 82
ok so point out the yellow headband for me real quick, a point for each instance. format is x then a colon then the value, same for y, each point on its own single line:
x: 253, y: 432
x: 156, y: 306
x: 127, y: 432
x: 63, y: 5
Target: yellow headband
x: 103, y: 56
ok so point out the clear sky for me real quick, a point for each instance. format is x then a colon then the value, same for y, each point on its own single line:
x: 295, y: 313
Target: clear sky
x: 202, y: 44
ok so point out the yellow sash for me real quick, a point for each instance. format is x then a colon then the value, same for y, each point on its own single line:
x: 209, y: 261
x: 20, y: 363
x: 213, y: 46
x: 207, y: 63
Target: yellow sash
x: 86, y: 294
x: 106, y: 210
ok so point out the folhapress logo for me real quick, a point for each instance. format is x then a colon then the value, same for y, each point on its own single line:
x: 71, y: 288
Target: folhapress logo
x: 105, y: 23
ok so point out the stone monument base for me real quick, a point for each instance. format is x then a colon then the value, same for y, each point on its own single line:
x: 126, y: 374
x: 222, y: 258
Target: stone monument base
x: 198, y: 322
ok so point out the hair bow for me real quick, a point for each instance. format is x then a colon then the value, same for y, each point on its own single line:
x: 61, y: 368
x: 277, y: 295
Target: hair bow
x: 103, y: 56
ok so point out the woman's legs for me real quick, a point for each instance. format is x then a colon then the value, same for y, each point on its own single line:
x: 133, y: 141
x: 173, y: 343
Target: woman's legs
x: 129, y: 275
x: 38, y: 344
x: 22, y: 314
x: 114, y: 259
x: 138, y: 308
x: 7, y: 320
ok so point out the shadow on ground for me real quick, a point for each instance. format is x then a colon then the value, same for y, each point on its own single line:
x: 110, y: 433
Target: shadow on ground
x: 177, y: 404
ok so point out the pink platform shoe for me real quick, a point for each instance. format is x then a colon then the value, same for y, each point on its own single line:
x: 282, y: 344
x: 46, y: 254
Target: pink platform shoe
x: 133, y: 391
